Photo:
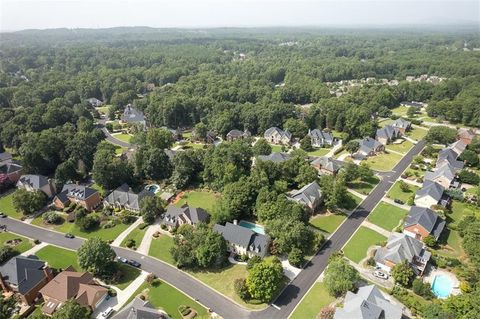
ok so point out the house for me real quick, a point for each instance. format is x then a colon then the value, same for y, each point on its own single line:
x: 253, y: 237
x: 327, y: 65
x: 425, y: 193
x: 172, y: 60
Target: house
x: 72, y: 285
x: 458, y: 147
x: 95, y: 102
x: 369, y: 147
x: 326, y: 165
x: 309, y: 195
x: 139, y: 309
x: 132, y: 115
x: 443, y: 175
x: 466, y: 135
x: 412, y: 103
x: 123, y: 197
x: 25, y: 276
x: 449, y: 156
x: 237, y: 135
x: 402, y: 125
x: 429, y: 195
x: 399, y: 248
x: 275, y: 157
x: 176, y: 216
x: 12, y: 170
x: 5, y: 158
x: 243, y: 241
x: 211, y: 137
x: 387, y: 134
x: 36, y: 182
x: 368, y: 303
x: 81, y: 195
x: 321, y: 138
x: 275, y: 135
x: 422, y: 222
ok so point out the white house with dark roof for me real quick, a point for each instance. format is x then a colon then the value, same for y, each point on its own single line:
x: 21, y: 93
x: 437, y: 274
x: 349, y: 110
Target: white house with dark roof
x: 368, y: 303
x: 309, y: 195
x: 368, y: 147
x: 275, y: 135
x: 443, y: 175
x: 177, y: 216
x: 123, y: 197
x: 429, y: 195
x: 422, y: 222
x: 243, y: 241
x: 132, y: 115
x: 32, y: 183
x: 321, y: 138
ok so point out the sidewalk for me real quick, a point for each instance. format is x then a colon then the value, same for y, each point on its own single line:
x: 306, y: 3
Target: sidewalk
x: 34, y: 249
x: 408, y: 181
x: 374, y: 227
x: 127, y: 231
x: 357, y: 193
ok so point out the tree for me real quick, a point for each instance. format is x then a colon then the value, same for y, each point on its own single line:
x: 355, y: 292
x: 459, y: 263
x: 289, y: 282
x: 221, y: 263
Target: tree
x: 151, y: 207
x: 7, y: 307
x: 188, y: 167
x: 468, y: 177
x: 159, y: 138
x: 252, y: 261
x: 6, y: 252
x: 241, y: 289
x: 435, y: 311
x: 298, y: 128
x: 352, y: 146
x: 402, y: 273
x: 262, y: 147
x: 71, y: 310
x: 350, y: 172
x: 470, y: 158
x: 264, y: 279
x: 441, y: 135
x: 211, y: 250
x: 110, y: 171
x: 340, y: 277
x: 96, y: 256
x: 404, y: 186
x: 365, y: 173
x: 306, y: 143
x: 430, y: 241
x: 28, y: 202
x: 51, y: 217
x: 296, y: 257
x: 238, y: 200
x: 422, y: 289
x: 64, y: 173
x: 411, y: 111
x: 200, y: 131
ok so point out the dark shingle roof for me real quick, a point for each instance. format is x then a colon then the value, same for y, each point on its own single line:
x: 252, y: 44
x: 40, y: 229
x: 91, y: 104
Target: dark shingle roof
x: 79, y: 192
x: 432, y: 189
x: 139, y: 309
x: 34, y: 181
x: 426, y: 218
x: 174, y: 213
x: 275, y: 157
x: 124, y: 196
x: 244, y: 237
x: 308, y: 194
x: 132, y: 115
x: 24, y: 272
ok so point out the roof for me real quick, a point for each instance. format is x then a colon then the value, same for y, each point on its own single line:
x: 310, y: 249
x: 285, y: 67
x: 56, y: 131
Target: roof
x: 24, y: 272
x: 321, y: 135
x: 124, y: 196
x: 327, y: 163
x: 446, y: 170
x: 276, y: 157
x: 368, y: 144
x: 34, y: 181
x: 401, y: 123
x: 426, y: 218
x: 238, y: 133
x: 307, y: 195
x: 415, y: 104
x: 368, y: 303
x: 244, y: 237
x: 10, y: 168
x: 195, y: 215
x: 387, y: 132
x: 276, y: 131
x: 139, y: 309
x: 466, y: 133
x: 79, y: 192
x: 448, y: 155
x: 4, y: 156
x: 432, y: 189
x: 458, y: 147
x: 132, y: 115
x: 401, y: 247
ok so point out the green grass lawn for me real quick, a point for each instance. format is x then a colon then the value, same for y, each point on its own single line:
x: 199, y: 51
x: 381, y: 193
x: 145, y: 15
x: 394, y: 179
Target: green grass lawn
x: 137, y: 235
x: 383, y: 161
x: 417, y: 133
x: 102, y: 109
x: 313, y: 302
x: 396, y: 193
x: 160, y: 248
x: 276, y: 148
x: 119, y: 150
x: 23, y: 246
x: 6, y: 206
x: 450, y: 244
x: 357, y: 246
x: 460, y: 210
x: 400, y: 110
x: 193, y: 145
x: 58, y: 258
x: 162, y: 295
x: 386, y: 122
x: 327, y: 223
x: 319, y: 152
x: 203, y: 199
x: 472, y: 190
x: 403, y: 147
x: 352, y: 201
x: 364, y: 186
x: 387, y: 216
x: 123, y: 137
x: 129, y: 274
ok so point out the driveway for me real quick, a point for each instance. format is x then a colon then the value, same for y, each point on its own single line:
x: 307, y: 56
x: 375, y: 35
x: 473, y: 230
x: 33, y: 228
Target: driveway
x: 110, y: 138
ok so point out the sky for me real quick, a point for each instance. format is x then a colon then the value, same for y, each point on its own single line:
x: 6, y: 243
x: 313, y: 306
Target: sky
x: 45, y: 14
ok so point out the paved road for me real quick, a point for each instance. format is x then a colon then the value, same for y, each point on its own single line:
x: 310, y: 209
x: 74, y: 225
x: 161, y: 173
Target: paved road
x: 292, y: 294
x: 110, y: 138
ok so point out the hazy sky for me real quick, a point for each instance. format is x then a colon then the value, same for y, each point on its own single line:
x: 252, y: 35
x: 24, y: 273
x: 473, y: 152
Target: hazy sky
x: 42, y: 14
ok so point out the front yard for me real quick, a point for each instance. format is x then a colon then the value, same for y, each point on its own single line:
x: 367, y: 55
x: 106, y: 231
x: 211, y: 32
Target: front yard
x: 21, y: 245
x: 417, y: 133
x: 160, y: 248
x: 364, y: 186
x: 276, y: 148
x: 136, y: 235
x: 313, y: 302
x: 383, y: 162
x: 327, y: 223
x: 387, y: 216
x: 202, y: 199
x: 357, y: 246
x: 351, y: 201
x: 6, y: 206
x: 396, y: 193
x: 402, y: 147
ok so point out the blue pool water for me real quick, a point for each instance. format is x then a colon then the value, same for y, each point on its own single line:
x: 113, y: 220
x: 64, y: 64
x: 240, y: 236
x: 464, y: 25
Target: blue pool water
x: 256, y: 228
x: 152, y: 188
x: 442, y: 286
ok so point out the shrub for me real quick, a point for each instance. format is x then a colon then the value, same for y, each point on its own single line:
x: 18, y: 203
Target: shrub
x: 326, y: 313
x: 430, y: 241
x: 411, y: 201
x: 404, y: 186
x: 422, y: 289
x: 112, y: 292
x: 243, y: 258
x: 371, y: 261
x: 163, y: 226
x: 295, y: 257
x: 6, y: 253
x: 252, y: 261
x: 407, y: 299
x: 109, y: 224
x: 402, y: 273
x: 241, y: 289
x: 130, y: 243
x: 150, y: 278
x: 51, y: 217
x: 184, y: 310
x: 88, y: 222
x: 36, y: 241
x: 142, y: 226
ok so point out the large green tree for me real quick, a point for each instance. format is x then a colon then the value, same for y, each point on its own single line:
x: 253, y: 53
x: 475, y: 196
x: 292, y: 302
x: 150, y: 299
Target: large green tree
x: 71, y: 310
x: 97, y: 257
x: 28, y: 202
x: 264, y: 279
x: 340, y: 277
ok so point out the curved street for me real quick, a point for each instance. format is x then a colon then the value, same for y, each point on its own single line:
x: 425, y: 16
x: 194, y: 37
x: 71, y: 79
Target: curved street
x: 110, y: 138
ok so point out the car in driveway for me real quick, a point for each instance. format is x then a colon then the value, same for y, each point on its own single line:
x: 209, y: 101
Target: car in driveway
x: 398, y: 201
x: 134, y: 263
x: 122, y: 259
x: 105, y: 314
x: 380, y: 274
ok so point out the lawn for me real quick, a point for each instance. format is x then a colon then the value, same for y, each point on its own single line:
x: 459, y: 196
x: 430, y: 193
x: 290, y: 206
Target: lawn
x: 23, y: 246
x: 129, y: 274
x: 327, y: 223
x: 396, y: 193
x: 223, y: 279
x: 320, y: 152
x: 313, y: 302
x: 6, y: 206
x: 137, y: 235
x: 192, y: 145
x: 386, y: 122
x: 123, y: 137
x: 119, y: 150
x: 402, y: 147
x: 276, y: 148
x: 160, y: 248
x: 58, y: 258
x: 357, y: 246
x: 401, y: 110
x: 417, y: 133
x: 387, y: 216
x: 351, y: 201
x: 203, y: 199
x: 383, y: 161
x: 162, y: 295
x: 364, y: 186
x: 460, y: 209
x: 451, y: 244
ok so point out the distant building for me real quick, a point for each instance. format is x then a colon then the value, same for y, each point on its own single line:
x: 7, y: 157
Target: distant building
x: 243, y: 241
x: 177, y: 216
x: 422, y: 222
x: 84, y: 196
x: 275, y: 157
x: 309, y: 195
x: 402, y: 125
x: 36, y: 182
x: 275, y: 135
x: 321, y: 138
x: 95, y: 102
x: 326, y: 165
x: 12, y: 170
x: 132, y: 115
x: 123, y: 197
x: 238, y: 135
x: 5, y: 158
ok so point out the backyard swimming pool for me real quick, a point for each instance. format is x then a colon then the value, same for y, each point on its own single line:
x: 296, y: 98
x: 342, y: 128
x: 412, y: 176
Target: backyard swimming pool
x: 154, y: 188
x: 442, y: 286
x: 256, y: 228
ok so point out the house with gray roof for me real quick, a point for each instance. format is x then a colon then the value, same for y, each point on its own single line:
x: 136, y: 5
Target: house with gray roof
x: 368, y: 303
x: 402, y: 125
x: 412, y: 104
x: 387, y: 134
x: 31, y: 182
x: 275, y: 135
x: 243, y: 241
x: 140, y: 309
x: 132, y: 115
x: 443, y: 175
x: 429, y: 195
x: 123, y: 197
x: 85, y: 196
x: 276, y: 157
x: 25, y: 276
x: 309, y: 195
x: 321, y: 138
x: 326, y: 165
x: 177, y: 216
x: 448, y: 155
x: 399, y: 248
x: 237, y: 135
x: 95, y: 102
x: 458, y: 147
x: 12, y: 170
x: 422, y: 222
x: 5, y: 158
x: 368, y: 147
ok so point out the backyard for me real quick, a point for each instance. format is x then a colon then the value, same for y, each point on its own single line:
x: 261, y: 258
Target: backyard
x: 202, y: 199
x: 396, y: 192
x: 357, y: 246
x: 276, y: 148
x: 22, y: 246
x: 136, y: 235
x: 320, y: 152
x: 387, y: 216
x: 400, y: 110
x: 383, y: 162
x: 402, y: 147
x: 327, y: 223
x: 6, y: 206
x: 122, y: 137
x: 313, y: 302
x: 160, y: 248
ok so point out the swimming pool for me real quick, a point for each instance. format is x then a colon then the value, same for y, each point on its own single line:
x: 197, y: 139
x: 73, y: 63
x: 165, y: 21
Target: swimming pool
x: 442, y: 286
x: 256, y: 228
x: 154, y: 188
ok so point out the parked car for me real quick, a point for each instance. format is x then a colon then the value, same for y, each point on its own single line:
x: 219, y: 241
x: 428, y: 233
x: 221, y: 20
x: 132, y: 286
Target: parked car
x: 134, y: 263
x: 68, y: 235
x: 122, y: 259
x: 398, y: 201
x: 380, y: 274
x: 2, y: 215
x: 107, y: 313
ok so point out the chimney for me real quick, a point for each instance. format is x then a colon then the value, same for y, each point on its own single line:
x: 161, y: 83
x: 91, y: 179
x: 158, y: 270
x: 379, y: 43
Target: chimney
x: 235, y: 222
x: 47, y: 272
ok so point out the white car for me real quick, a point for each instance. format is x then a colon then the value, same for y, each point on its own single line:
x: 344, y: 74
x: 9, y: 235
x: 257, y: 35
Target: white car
x: 380, y: 274
x: 107, y: 313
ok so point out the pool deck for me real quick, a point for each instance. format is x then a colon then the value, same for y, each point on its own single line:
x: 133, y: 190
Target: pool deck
x: 433, y: 272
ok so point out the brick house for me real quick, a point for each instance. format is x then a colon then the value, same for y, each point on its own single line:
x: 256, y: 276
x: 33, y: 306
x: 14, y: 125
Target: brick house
x: 422, y: 222
x: 84, y: 196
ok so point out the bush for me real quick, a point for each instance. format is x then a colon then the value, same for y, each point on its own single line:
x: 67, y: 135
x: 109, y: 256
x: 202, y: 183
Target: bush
x: 402, y: 273
x: 88, y: 222
x: 430, y: 241
x: 109, y: 224
x: 130, y: 243
x: 184, y: 310
x: 295, y: 257
x: 6, y: 253
x: 36, y: 241
x: 468, y: 177
x: 326, y: 313
x: 163, y: 226
x: 422, y: 289
x: 51, y: 217
x: 112, y: 292
x: 371, y: 262
x: 253, y: 261
x: 142, y: 226
x: 150, y: 278
x: 241, y: 289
